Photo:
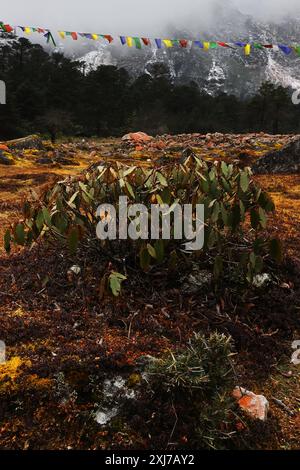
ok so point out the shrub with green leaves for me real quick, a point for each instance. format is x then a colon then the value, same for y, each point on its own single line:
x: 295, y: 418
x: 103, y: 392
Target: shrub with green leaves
x: 201, y: 376
x: 236, y: 211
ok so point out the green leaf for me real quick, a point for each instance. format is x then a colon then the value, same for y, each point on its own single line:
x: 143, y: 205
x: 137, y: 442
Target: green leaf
x: 39, y: 221
x: 20, y: 234
x: 130, y: 190
x: 224, y: 169
x: 262, y: 217
x: 254, y: 217
x: 215, y: 212
x: 115, y: 283
x: 7, y: 241
x: 276, y: 250
x: 73, y: 239
x: 60, y: 222
x: 244, y: 181
x: 160, y: 250
x: 266, y: 202
x: 162, y: 180
x: 151, y: 251
x: 218, y: 267
x: 46, y: 216
x: 145, y: 259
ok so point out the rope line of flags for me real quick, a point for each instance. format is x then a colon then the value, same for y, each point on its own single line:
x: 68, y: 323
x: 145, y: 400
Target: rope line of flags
x: 140, y: 42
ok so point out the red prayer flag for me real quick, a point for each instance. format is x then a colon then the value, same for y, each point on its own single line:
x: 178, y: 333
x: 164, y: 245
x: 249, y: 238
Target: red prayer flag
x: 183, y: 42
x: 74, y: 36
x: 223, y: 44
x: 268, y: 46
x: 109, y: 38
x: 8, y: 28
x: 146, y: 41
x: 40, y: 30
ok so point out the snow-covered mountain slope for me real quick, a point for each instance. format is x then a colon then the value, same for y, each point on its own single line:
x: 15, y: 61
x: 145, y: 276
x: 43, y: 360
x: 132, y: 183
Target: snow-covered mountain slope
x: 219, y: 70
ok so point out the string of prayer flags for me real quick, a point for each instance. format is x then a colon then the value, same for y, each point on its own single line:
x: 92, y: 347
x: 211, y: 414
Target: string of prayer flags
x: 139, y: 42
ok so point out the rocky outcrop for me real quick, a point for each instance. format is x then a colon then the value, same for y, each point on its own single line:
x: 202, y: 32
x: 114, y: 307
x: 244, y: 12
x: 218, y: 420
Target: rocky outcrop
x: 29, y: 142
x: 285, y: 160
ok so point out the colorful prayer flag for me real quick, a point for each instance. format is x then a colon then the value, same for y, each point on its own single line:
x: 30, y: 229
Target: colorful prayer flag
x: 286, y: 49
x: 168, y: 42
x: 146, y: 41
x: 137, y: 43
x: 183, y: 43
x: 199, y: 44
x: 247, y: 49
x: 206, y: 45
x: 129, y: 41
x: 62, y: 34
x: 7, y: 28
x: 158, y: 43
x: 123, y: 40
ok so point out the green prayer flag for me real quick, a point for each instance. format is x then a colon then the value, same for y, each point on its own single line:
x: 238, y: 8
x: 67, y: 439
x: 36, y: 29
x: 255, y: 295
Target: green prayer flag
x: 137, y: 43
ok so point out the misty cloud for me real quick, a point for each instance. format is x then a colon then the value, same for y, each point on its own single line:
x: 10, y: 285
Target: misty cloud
x: 136, y: 17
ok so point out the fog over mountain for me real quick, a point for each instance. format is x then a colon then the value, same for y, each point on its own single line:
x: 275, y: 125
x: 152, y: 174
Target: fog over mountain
x: 219, y: 70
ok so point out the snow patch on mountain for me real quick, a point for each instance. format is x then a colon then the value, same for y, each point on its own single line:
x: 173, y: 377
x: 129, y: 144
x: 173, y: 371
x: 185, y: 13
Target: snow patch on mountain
x: 92, y: 60
x: 282, y: 75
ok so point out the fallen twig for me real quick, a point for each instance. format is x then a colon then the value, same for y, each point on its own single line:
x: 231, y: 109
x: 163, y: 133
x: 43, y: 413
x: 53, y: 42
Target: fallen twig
x: 283, y: 406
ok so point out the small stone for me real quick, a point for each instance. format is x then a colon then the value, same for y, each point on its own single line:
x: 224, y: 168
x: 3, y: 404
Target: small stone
x: 261, y: 279
x: 75, y: 269
x: 255, y: 406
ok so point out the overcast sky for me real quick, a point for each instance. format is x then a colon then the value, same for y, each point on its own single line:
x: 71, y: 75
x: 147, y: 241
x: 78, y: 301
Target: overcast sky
x: 131, y: 17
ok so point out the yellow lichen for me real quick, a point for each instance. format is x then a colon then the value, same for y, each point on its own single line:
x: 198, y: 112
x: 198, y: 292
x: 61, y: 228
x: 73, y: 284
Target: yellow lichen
x: 10, y: 371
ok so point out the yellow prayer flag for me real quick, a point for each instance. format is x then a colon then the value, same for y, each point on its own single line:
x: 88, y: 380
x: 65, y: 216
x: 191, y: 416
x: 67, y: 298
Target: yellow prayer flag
x: 62, y: 34
x: 206, y: 46
x: 129, y: 41
x: 167, y: 42
x: 247, y: 49
x: 27, y: 30
x: 95, y: 37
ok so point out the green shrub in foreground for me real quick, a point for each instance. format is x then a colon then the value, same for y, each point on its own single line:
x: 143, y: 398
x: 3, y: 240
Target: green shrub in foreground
x: 235, y: 214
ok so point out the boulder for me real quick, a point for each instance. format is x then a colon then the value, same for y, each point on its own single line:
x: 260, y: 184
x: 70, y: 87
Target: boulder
x: 285, y: 160
x: 137, y: 138
x: 255, y: 406
x: 6, y: 159
x: 30, y: 142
